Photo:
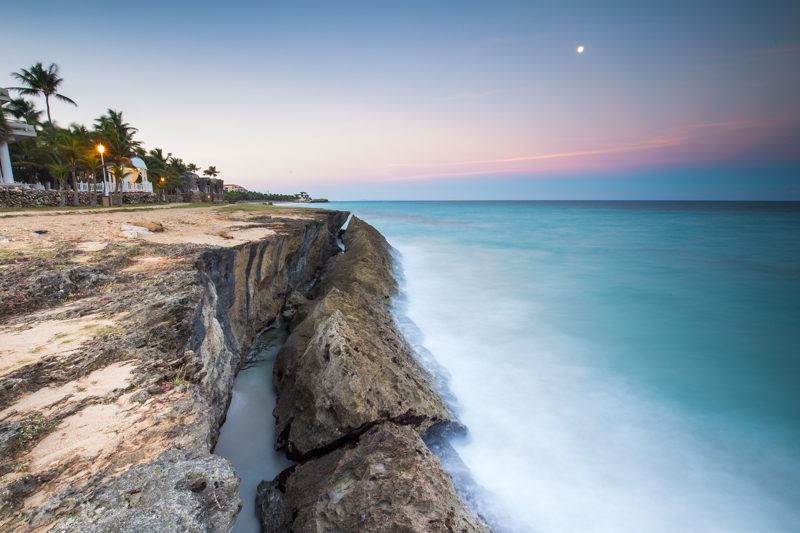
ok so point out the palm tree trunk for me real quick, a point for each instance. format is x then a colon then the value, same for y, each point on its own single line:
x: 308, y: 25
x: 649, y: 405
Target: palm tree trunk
x: 47, y: 103
x: 62, y: 201
x: 93, y: 193
x: 75, y: 197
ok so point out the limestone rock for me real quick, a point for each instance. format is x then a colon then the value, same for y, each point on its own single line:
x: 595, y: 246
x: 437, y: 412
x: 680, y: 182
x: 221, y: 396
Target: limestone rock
x: 173, y: 493
x: 344, y: 368
x: 387, y: 481
x: 366, y: 262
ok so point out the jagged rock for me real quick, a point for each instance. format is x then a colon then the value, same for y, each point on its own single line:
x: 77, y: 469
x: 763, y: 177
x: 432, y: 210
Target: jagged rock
x: 367, y: 262
x: 246, y: 288
x: 172, y: 493
x: 345, y: 368
x: 352, y: 402
x: 56, y: 284
x: 387, y: 481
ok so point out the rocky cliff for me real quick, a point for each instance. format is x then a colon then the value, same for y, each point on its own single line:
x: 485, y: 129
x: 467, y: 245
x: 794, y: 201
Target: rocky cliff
x: 113, y: 393
x: 352, y: 404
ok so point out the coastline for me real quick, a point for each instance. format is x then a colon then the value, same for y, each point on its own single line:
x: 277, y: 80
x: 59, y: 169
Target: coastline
x: 124, y: 353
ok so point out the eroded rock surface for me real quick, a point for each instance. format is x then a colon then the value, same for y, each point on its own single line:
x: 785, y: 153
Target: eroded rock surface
x: 346, y: 367
x: 174, y: 493
x: 387, y: 481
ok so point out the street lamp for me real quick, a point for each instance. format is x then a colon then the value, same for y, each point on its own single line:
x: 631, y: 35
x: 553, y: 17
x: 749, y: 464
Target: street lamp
x: 102, y: 149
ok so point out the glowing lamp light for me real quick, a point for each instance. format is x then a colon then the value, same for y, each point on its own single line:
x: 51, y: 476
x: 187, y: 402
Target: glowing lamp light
x: 101, y: 148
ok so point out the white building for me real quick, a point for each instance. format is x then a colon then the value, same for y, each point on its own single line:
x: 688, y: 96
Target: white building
x: 17, y: 131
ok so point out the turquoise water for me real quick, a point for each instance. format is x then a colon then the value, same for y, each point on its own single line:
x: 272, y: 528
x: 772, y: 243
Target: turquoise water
x: 620, y: 366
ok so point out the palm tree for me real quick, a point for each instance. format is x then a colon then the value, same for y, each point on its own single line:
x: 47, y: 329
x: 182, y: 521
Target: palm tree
x: 177, y: 164
x: 58, y: 169
x: 38, y: 80
x: 23, y: 109
x: 117, y: 135
x: 211, y: 172
x: 71, y: 145
x: 191, y: 167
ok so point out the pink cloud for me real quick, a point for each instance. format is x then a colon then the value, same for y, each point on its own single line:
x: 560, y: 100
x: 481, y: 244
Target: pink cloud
x: 699, y: 142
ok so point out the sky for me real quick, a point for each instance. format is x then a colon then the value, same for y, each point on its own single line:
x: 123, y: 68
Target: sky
x: 441, y: 99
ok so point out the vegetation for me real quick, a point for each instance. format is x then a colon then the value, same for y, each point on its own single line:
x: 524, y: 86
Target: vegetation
x: 60, y: 156
x: 247, y: 208
x: 252, y: 196
x: 37, y: 81
x: 64, y: 157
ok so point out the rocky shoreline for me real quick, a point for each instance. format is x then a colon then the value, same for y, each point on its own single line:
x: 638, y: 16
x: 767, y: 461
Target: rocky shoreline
x: 123, y: 354
x: 352, y: 405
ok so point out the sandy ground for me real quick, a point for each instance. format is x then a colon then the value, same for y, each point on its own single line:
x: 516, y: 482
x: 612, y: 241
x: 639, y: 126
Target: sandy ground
x: 92, y: 230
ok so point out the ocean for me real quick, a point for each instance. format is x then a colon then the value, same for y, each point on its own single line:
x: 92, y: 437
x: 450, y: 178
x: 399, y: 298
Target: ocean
x: 619, y: 366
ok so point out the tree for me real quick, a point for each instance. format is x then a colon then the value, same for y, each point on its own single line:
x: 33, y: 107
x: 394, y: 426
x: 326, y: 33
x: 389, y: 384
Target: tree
x: 211, y: 172
x: 161, y: 170
x: 177, y: 164
x: 117, y: 135
x: 191, y: 167
x: 23, y: 109
x: 37, y: 81
x: 71, y: 145
x: 58, y: 169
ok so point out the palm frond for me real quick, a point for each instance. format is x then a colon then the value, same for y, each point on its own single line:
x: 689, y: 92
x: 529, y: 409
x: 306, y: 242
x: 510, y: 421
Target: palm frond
x: 65, y: 99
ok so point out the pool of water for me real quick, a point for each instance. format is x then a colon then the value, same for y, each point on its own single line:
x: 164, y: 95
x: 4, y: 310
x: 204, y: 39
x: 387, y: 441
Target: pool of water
x: 247, y: 437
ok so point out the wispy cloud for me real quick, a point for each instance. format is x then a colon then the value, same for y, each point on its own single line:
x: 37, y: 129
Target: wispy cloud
x: 643, y: 151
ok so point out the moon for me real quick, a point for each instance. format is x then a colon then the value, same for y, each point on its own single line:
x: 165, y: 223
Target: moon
x: 580, y: 49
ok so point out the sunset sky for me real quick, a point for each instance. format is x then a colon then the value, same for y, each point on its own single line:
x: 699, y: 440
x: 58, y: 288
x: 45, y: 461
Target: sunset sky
x: 441, y: 100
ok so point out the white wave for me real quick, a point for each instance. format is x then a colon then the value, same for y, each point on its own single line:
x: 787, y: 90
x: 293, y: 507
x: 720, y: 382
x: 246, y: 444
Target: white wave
x: 555, y: 444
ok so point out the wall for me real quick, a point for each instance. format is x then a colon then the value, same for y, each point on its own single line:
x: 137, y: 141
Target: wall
x: 11, y: 196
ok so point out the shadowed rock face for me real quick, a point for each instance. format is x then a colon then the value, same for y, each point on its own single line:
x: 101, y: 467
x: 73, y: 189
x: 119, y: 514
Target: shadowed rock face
x: 352, y: 402
x: 387, y: 481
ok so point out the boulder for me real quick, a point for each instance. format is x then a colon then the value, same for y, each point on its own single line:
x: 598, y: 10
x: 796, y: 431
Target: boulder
x: 155, y: 227
x: 386, y: 481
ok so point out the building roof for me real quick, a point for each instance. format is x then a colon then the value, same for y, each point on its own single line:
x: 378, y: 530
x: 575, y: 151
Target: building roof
x: 139, y: 163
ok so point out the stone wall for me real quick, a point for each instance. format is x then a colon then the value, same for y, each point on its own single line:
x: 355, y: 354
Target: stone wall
x: 11, y: 196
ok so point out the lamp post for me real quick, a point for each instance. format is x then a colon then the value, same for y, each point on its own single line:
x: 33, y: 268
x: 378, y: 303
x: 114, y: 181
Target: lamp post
x: 163, y: 193
x: 102, y: 149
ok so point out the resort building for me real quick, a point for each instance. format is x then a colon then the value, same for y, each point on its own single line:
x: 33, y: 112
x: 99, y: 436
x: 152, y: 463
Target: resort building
x: 193, y: 188
x: 17, y: 130
x: 231, y: 187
